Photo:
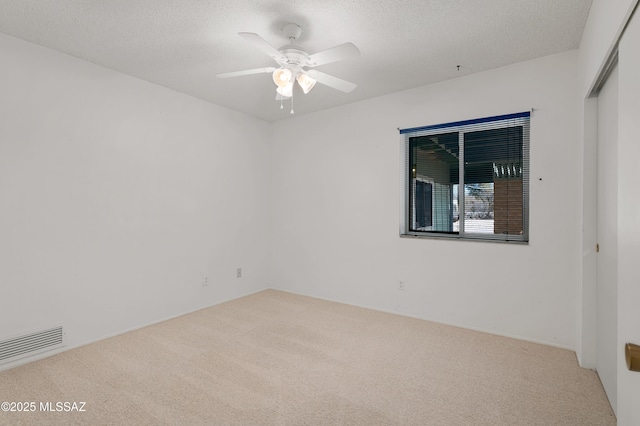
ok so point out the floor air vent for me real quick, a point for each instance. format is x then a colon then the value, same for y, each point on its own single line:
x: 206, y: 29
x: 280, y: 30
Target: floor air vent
x: 31, y: 344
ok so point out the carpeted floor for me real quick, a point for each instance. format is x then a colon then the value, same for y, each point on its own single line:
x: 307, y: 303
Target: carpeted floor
x: 275, y: 358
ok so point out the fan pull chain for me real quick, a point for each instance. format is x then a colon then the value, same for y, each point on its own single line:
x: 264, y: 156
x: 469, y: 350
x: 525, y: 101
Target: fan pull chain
x: 281, y: 106
x: 291, y: 103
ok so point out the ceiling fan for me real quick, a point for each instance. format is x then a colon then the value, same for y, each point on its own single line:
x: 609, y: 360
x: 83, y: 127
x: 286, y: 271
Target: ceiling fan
x: 293, y: 63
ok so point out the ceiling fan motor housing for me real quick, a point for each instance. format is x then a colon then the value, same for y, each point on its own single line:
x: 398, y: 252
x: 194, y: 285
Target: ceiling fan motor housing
x: 295, y: 56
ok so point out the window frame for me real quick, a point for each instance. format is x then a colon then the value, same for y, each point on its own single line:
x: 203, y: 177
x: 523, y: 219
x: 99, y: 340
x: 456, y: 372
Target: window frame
x: 461, y: 127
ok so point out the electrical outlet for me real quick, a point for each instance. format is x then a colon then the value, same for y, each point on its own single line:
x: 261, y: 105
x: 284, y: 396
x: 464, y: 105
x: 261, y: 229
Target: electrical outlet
x: 205, y: 281
x: 401, y: 285
x: 239, y: 273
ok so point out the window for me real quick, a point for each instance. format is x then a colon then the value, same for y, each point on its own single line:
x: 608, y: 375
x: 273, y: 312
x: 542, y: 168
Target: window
x: 468, y: 179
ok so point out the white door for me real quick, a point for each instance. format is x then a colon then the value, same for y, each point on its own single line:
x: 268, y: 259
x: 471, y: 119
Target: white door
x: 607, y: 238
x: 629, y: 218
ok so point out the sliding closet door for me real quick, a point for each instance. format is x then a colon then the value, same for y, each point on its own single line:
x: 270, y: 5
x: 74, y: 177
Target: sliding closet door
x: 629, y: 218
x: 607, y: 237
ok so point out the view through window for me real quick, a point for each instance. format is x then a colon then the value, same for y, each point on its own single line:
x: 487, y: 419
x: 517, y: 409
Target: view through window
x: 468, y: 179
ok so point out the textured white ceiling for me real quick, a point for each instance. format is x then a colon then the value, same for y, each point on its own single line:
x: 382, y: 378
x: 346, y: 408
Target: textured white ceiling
x: 182, y: 44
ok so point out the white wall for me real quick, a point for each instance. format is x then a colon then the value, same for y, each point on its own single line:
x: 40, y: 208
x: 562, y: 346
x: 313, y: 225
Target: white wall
x: 336, y: 208
x: 118, y: 196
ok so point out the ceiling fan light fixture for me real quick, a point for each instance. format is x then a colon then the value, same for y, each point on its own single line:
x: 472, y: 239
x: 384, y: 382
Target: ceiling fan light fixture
x: 306, y: 82
x: 286, y: 91
x: 282, y: 77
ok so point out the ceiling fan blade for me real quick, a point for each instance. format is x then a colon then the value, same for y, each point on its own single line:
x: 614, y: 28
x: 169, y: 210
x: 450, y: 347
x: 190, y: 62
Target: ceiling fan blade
x: 334, y: 54
x: 263, y: 45
x: 246, y: 72
x: 331, y: 81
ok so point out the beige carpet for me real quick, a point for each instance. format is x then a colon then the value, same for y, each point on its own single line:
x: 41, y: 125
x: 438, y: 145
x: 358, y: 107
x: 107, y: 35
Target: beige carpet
x: 275, y: 358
